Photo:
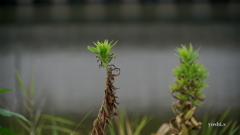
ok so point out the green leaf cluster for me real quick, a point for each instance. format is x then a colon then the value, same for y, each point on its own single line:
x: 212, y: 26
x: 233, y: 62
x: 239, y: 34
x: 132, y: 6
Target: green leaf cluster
x: 190, y: 76
x: 103, y: 50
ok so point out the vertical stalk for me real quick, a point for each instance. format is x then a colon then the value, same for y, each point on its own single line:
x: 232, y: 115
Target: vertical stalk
x: 108, y: 107
x: 188, y: 84
x: 188, y: 91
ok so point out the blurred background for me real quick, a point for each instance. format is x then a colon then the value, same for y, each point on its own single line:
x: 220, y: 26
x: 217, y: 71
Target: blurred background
x: 53, y: 35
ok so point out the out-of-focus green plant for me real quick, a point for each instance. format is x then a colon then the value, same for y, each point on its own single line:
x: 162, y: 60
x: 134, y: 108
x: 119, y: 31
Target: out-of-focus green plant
x: 6, y: 113
x: 56, y: 121
x: 124, y: 126
x: 108, y: 107
x: 6, y: 131
x: 38, y: 120
x: 35, y: 126
x: 212, y: 125
x: 189, y: 80
x: 187, y: 89
x: 220, y: 126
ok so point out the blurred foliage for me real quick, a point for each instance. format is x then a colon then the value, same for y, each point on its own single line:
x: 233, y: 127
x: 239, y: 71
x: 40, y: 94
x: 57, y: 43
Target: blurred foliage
x: 190, y: 76
x: 38, y: 121
x: 187, y: 89
x: 215, y: 125
x: 124, y: 126
x: 229, y: 127
x: 6, y: 113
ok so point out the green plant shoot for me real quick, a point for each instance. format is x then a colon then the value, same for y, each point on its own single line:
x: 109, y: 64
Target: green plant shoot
x: 190, y: 76
x: 188, y: 91
x: 103, y: 50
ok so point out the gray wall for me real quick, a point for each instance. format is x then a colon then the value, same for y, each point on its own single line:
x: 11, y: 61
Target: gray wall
x: 68, y: 75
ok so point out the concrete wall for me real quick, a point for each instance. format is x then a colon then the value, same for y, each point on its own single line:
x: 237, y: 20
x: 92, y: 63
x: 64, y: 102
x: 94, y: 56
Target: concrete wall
x: 68, y: 75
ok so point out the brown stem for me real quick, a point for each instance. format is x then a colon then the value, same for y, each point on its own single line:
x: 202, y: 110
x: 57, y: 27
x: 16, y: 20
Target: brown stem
x: 108, y: 107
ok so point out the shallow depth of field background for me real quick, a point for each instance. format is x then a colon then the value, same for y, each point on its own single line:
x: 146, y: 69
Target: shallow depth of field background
x: 53, y: 35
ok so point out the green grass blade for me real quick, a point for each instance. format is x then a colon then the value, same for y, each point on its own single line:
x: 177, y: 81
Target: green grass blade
x: 25, y: 103
x: 214, y: 132
x: 4, y: 90
x: 205, y: 124
x: 225, y: 128
x: 54, y: 131
x: 40, y: 127
x: 62, y: 129
x: 232, y: 127
x: 10, y: 114
x: 23, y: 125
x: 232, y: 132
x: 23, y: 88
x: 135, y: 121
x: 54, y: 123
x: 141, y: 125
x: 210, y: 129
x: 238, y: 132
x: 32, y: 87
x: 122, y: 123
x: 111, y: 129
x: 82, y: 120
x: 58, y: 119
x: 38, y: 114
x: 117, y: 121
x: 128, y: 125
x: 224, y: 115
